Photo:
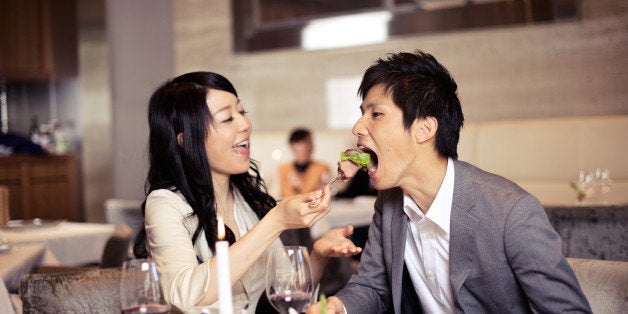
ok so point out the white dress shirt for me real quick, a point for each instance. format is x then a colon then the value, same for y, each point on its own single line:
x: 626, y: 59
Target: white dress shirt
x: 427, y: 247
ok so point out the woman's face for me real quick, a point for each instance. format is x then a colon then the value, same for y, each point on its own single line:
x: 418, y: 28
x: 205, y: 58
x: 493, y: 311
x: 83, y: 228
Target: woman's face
x: 227, y: 142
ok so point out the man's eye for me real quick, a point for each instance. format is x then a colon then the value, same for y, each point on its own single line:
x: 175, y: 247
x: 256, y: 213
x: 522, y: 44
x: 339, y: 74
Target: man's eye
x: 376, y: 114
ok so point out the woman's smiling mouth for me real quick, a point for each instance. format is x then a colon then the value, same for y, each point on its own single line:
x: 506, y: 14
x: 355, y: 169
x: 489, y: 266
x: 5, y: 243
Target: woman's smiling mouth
x: 242, y: 148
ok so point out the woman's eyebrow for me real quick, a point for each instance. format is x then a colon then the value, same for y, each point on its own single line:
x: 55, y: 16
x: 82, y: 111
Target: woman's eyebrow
x: 227, y: 107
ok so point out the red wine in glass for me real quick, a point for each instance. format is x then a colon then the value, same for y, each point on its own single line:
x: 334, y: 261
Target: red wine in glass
x: 295, y: 300
x: 139, y: 288
x: 147, y: 308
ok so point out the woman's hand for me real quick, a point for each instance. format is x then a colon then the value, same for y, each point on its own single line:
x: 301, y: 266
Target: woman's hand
x: 297, y: 211
x: 336, y: 243
x: 334, y: 306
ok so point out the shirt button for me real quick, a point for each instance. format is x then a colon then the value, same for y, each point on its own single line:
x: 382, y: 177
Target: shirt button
x: 243, y: 297
x: 431, y: 274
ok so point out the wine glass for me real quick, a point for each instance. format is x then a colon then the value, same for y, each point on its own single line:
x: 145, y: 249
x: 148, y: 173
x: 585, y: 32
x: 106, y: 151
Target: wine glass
x: 289, y: 278
x: 605, y: 183
x: 139, y: 288
x: 583, y: 187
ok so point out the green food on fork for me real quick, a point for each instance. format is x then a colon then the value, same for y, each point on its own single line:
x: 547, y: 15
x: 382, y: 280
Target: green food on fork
x: 360, y: 159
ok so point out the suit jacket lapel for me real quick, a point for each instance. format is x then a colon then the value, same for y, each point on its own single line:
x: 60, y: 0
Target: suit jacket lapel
x: 463, y: 226
x: 398, y: 243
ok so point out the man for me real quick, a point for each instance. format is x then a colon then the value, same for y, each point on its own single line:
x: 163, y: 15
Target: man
x: 446, y: 236
x: 303, y: 174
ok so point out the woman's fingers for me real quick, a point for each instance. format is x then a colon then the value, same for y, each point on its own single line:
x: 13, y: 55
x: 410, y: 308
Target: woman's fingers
x: 314, y: 195
x: 299, y: 211
x: 317, y: 197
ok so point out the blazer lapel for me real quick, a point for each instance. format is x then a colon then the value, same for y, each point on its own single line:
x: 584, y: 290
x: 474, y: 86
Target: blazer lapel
x: 398, y: 228
x: 463, y: 226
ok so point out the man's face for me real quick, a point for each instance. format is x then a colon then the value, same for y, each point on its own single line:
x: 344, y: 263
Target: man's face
x: 381, y: 133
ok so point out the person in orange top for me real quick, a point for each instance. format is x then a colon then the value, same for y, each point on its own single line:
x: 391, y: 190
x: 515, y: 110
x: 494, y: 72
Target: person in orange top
x: 303, y: 174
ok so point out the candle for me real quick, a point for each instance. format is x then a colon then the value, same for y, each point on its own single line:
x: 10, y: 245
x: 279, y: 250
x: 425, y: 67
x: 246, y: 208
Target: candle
x: 224, y: 276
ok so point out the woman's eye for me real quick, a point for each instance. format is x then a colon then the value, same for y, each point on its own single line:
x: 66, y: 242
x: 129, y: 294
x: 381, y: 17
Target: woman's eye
x: 228, y: 120
x: 243, y: 112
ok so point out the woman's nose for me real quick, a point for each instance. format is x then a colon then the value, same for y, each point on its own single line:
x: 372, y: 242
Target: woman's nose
x: 245, y: 124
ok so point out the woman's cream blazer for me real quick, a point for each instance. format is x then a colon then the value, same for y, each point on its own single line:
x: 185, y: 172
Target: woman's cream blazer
x: 169, y: 230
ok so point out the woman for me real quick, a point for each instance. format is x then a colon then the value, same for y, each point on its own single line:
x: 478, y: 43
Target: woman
x: 200, y: 168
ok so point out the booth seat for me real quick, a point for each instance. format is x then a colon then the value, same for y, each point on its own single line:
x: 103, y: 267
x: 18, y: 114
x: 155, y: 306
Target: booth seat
x: 541, y: 155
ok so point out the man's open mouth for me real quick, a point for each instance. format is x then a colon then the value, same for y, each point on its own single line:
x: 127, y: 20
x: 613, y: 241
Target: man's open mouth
x: 374, y: 159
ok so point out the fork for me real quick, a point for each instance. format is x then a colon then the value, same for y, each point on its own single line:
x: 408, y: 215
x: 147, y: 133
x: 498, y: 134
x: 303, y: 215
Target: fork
x: 340, y: 177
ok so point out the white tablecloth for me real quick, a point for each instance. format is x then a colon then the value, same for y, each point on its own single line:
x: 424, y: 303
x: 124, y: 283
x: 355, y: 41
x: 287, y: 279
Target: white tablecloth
x: 72, y: 243
x: 357, y: 212
x: 6, y: 306
x: 17, y: 262
x: 21, y: 260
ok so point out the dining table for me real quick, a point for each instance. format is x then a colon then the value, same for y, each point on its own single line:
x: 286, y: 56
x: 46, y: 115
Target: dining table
x: 20, y: 259
x: 16, y: 261
x: 45, y: 243
x: 72, y: 243
x: 357, y: 212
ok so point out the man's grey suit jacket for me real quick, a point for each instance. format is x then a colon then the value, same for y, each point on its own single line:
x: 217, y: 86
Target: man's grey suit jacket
x: 504, y: 256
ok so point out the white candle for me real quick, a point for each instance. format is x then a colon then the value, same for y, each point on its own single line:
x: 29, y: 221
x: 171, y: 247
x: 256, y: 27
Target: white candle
x: 224, y: 276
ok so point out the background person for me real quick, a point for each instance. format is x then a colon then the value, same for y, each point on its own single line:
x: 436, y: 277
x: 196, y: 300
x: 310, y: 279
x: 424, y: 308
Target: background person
x: 303, y: 174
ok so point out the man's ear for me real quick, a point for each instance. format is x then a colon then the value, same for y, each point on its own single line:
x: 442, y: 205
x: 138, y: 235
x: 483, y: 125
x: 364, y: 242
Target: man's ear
x: 426, y: 129
x: 180, y: 139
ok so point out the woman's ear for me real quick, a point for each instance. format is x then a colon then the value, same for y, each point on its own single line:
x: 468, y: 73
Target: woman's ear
x: 180, y: 139
x: 426, y: 129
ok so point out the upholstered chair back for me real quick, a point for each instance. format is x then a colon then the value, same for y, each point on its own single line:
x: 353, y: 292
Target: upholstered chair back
x: 605, y: 284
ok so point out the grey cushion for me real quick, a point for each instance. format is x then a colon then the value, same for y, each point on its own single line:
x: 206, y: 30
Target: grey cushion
x: 605, y: 284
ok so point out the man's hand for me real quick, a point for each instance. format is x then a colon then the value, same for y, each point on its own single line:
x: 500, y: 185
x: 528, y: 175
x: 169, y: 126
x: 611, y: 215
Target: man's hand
x: 336, y: 243
x: 334, y: 306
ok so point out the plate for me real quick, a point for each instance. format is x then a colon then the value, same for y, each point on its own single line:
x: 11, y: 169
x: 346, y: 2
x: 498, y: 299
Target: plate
x: 30, y: 224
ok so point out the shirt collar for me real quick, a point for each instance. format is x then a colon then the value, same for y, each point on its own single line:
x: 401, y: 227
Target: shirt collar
x: 440, y: 211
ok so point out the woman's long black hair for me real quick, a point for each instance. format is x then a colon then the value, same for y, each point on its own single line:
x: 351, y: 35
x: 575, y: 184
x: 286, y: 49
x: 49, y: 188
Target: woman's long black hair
x: 180, y: 107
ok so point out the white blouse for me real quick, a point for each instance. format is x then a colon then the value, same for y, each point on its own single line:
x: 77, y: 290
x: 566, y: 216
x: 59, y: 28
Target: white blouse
x: 169, y: 230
